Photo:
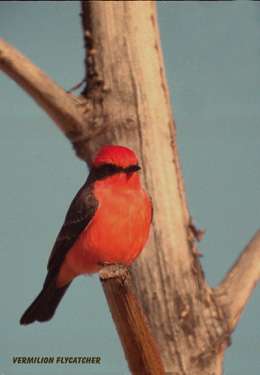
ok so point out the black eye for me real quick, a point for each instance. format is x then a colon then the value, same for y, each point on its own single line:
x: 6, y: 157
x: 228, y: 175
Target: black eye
x: 110, y: 169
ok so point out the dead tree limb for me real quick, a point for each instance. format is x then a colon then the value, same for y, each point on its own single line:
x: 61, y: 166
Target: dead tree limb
x: 64, y: 109
x: 236, y: 288
x: 133, y: 329
x: 126, y: 101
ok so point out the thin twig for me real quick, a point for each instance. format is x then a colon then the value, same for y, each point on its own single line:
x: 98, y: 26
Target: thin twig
x: 77, y: 86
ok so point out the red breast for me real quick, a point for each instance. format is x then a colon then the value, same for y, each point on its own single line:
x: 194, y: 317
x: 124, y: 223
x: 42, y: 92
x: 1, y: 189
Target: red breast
x: 119, y: 229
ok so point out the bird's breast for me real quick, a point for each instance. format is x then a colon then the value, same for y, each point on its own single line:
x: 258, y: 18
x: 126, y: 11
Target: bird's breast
x: 118, y: 231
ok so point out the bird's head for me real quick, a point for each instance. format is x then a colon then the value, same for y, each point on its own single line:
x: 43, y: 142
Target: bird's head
x: 116, y: 163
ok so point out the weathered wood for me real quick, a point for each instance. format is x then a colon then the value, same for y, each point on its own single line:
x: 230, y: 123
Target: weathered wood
x: 141, y: 350
x: 126, y: 101
x: 236, y: 288
x: 63, y: 108
x: 126, y: 78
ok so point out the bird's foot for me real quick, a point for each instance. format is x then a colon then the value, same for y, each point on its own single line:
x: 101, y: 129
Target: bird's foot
x: 112, y: 270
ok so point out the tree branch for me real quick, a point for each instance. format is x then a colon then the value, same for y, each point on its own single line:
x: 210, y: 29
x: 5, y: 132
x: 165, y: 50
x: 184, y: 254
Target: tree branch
x: 126, y: 101
x: 126, y: 78
x: 134, y: 332
x: 65, y: 109
x: 69, y: 113
x: 237, y: 286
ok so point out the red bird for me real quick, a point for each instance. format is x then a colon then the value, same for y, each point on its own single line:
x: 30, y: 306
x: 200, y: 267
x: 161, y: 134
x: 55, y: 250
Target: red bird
x: 107, y: 223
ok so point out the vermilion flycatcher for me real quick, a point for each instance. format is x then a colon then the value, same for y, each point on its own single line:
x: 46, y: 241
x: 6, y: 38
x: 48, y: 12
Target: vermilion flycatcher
x: 107, y: 223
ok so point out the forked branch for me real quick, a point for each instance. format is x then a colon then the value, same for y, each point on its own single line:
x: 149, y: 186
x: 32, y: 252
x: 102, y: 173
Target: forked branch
x: 128, y: 92
x: 236, y: 288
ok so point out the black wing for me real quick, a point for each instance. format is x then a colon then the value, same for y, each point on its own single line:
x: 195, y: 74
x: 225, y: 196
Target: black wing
x: 81, y: 211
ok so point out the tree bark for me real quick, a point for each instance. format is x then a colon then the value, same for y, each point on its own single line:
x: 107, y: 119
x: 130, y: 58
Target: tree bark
x: 126, y: 59
x: 140, y: 348
x: 126, y: 101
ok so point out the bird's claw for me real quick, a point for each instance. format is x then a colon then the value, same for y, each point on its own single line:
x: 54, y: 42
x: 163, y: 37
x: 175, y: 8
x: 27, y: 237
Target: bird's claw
x: 112, y: 270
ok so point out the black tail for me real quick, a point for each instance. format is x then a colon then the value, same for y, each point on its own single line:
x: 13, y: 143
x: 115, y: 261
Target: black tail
x: 44, y: 306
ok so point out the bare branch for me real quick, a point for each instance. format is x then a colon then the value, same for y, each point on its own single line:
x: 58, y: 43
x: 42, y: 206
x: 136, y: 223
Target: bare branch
x: 125, y: 75
x: 137, y: 340
x: 62, y: 107
x: 126, y: 101
x: 237, y: 286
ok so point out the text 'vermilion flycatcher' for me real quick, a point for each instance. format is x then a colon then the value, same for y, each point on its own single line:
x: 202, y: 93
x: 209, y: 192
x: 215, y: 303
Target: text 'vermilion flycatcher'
x: 107, y: 223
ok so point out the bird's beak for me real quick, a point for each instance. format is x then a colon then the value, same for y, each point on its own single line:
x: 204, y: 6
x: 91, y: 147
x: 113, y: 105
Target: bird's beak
x: 132, y: 169
x: 136, y: 168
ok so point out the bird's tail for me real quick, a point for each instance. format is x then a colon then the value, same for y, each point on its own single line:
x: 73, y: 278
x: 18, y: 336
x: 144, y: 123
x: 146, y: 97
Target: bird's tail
x: 45, y: 304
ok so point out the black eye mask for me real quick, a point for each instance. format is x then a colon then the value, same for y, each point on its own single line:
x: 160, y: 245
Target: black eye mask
x: 106, y: 170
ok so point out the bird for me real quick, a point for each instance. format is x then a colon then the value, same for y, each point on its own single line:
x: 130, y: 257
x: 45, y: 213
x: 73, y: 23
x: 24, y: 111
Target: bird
x: 108, y: 222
